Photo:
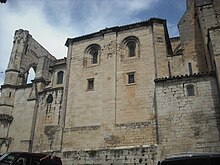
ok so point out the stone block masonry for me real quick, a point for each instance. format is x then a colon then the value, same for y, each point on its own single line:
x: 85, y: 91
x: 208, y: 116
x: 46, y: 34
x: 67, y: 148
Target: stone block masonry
x: 188, y: 123
x: 130, y: 155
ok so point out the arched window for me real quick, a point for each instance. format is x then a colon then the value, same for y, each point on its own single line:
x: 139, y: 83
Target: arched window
x: 131, y: 47
x: 30, y: 75
x: 60, y: 77
x: 49, y: 98
x: 131, y: 44
x: 190, y: 90
x: 94, y: 56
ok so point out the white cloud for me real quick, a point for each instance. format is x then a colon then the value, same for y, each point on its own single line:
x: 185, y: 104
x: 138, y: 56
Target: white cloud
x: 134, y: 5
x: 30, y: 18
x: 51, y: 22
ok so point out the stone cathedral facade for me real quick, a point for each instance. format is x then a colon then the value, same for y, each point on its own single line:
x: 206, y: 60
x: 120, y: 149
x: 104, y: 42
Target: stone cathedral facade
x: 123, y: 95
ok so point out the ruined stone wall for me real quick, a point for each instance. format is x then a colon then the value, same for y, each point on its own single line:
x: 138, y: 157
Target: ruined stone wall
x: 27, y: 53
x: 18, y: 98
x: 188, y: 123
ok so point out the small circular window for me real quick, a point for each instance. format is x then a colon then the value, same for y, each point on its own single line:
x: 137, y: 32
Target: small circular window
x: 50, y: 98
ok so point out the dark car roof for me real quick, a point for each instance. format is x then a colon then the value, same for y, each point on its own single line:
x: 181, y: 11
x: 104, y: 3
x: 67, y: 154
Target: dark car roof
x: 29, y: 153
x: 39, y: 155
x: 191, y: 156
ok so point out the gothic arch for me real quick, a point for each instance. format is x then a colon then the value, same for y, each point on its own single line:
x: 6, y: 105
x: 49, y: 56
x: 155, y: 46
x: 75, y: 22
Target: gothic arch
x: 30, y: 74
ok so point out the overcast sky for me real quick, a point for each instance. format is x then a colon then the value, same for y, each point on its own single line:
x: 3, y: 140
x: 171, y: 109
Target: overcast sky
x: 51, y: 22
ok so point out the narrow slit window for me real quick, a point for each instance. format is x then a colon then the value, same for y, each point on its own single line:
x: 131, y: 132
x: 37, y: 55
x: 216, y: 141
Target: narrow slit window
x: 190, y: 68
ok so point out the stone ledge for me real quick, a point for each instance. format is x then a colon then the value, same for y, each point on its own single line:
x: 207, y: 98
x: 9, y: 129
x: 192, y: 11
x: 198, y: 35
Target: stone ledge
x: 162, y: 79
x: 82, y: 128
x: 134, y: 125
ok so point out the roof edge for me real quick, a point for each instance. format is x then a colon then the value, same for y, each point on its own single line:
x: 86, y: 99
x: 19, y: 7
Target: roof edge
x: 115, y: 29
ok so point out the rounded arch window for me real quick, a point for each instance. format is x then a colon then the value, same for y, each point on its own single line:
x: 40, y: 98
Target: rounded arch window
x: 49, y: 98
x: 132, y: 46
x: 92, y: 54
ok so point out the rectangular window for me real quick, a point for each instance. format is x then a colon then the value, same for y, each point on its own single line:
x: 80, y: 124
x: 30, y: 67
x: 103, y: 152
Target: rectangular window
x: 90, y: 84
x: 131, y: 78
x: 60, y: 77
x: 190, y: 90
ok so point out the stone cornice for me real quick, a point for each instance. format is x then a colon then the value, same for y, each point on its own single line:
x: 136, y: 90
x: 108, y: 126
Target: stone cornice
x: 83, y: 128
x: 162, y: 79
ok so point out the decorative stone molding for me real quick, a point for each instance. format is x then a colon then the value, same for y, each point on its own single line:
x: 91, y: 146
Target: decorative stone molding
x: 6, y: 117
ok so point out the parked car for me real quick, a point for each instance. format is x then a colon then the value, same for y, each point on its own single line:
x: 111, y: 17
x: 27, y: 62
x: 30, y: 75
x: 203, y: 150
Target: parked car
x: 23, y: 158
x: 192, y: 159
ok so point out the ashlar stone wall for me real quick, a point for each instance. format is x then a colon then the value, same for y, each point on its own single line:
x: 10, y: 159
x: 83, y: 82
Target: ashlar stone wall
x: 188, y: 123
x: 22, y: 126
x: 109, y: 114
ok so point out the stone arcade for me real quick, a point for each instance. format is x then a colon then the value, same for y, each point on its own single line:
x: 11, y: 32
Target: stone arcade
x: 124, y: 95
